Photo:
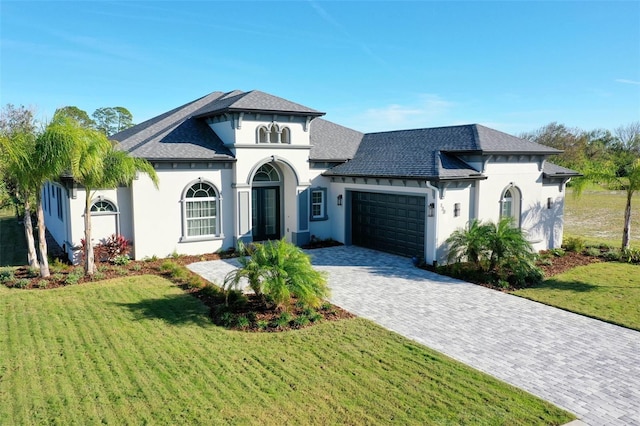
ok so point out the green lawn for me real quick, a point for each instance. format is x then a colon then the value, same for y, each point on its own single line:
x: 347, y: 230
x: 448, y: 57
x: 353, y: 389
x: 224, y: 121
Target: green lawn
x: 139, y: 350
x: 598, y: 216
x: 609, y: 291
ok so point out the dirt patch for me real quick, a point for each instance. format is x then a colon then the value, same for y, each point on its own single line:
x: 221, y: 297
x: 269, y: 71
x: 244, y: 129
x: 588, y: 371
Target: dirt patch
x: 561, y: 264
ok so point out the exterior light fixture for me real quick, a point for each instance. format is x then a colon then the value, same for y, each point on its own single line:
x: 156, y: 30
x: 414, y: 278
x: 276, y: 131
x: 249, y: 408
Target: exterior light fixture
x: 432, y: 209
x: 340, y: 199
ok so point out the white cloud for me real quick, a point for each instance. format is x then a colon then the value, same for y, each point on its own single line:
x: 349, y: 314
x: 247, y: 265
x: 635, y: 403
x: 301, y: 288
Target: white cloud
x: 427, y: 111
x: 625, y: 81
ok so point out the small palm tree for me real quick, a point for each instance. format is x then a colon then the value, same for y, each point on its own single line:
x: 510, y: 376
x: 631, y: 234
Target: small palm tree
x: 469, y: 243
x: 278, y: 270
x: 505, y: 242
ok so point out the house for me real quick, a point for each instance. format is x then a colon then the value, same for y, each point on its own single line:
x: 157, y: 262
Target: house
x: 249, y: 166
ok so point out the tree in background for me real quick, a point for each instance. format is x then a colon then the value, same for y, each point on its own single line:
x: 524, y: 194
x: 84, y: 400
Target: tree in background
x: 612, y: 160
x: 76, y: 114
x: 111, y: 120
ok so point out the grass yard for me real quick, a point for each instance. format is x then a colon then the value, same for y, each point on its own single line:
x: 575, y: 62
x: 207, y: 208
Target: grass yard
x: 609, y: 291
x: 598, y: 217
x: 138, y: 350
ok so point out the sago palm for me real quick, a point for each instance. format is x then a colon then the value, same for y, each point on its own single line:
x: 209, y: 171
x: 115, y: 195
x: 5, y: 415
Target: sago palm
x: 469, y: 243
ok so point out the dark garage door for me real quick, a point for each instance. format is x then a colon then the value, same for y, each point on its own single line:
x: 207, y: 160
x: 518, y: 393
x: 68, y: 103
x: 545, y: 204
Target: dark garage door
x: 389, y: 222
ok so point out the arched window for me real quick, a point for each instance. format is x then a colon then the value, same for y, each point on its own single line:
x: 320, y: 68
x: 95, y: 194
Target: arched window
x: 263, y: 135
x: 273, y: 133
x: 510, y: 204
x: 200, y: 211
x: 266, y: 173
x: 274, y: 136
x: 285, y: 135
x: 102, y: 206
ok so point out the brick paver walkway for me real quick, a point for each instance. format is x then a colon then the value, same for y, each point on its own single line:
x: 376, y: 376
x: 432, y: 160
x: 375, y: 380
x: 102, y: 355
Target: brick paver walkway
x: 586, y: 366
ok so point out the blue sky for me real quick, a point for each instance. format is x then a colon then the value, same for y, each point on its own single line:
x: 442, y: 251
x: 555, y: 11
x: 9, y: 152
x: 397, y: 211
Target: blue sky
x: 381, y: 65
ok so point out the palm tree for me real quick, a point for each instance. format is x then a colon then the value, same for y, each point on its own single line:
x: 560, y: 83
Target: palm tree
x: 469, y: 243
x: 97, y: 164
x: 607, y: 174
x: 506, y: 243
x: 278, y: 270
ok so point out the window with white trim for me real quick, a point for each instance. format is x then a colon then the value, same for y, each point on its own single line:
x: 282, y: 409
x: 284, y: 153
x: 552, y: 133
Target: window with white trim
x: 319, y: 204
x: 510, y: 204
x: 200, y: 212
x: 102, y: 206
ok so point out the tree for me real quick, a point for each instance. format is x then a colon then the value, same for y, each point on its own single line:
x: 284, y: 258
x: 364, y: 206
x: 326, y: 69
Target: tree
x: 469, y: 243
x: 278, y: 270
x: 111, y: 120
x: 17, y: 150
x: 75, y: 113
x: 96, y: 164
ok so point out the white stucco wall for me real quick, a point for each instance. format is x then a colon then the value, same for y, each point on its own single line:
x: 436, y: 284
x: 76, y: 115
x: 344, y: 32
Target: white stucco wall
x: 158, y: 215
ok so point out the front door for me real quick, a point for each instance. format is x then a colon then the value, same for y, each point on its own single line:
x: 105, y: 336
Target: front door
x: 265, y: 213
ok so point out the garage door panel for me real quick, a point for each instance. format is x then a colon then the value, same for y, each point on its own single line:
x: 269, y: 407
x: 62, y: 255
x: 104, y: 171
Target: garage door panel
x: 389, y: 222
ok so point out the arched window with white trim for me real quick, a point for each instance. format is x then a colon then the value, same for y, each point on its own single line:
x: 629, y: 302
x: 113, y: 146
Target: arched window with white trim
x: 201, y: 207
x: 510, y: 203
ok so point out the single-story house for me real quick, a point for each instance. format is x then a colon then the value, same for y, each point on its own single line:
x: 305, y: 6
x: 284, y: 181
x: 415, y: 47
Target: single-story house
x: 250, y: 166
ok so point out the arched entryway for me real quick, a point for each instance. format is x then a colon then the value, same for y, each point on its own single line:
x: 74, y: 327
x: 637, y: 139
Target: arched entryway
x: 266, y: 194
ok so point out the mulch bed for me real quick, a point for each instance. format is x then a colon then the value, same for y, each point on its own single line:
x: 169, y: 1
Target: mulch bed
x: 569, y: 260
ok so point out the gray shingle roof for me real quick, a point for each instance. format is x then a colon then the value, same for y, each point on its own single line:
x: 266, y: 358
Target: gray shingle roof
x: 257, y: 101
x: 430, y: 153
x: 553, y: 170
x: 332, y: 142
x: 175, y: 135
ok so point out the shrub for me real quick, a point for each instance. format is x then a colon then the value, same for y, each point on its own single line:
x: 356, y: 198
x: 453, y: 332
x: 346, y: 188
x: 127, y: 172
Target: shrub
x: 630, y: 256
x: 283, y: 320
x: 574, y: 244
x: 97, y: 276
x: 22, y: 283
x: 557, y: 252
x: 6, y: 275
x: 121, y: 271
x: 74, y: 276
x: 58, y: 276
x: 43, y: 284
x: 279, y: 270
x: 57, y: 265
x: 136, y: 267
x: 243, y: 322
x: 262, y: 324
x: 315, y: 316
x: 195, y: 281
x: 301, y: 321
x: 121, y: 260
x: 613, y: 254
x: 33, y: 272
x: 593, y: 251
x: 111, y: 247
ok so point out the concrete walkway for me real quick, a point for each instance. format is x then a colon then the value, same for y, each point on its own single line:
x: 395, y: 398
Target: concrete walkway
x: 585, y: 366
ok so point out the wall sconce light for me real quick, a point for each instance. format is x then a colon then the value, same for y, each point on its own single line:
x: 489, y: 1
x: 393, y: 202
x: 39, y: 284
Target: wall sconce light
x: 549, y: 203
x: 340, y: 199
x: 432, y: 209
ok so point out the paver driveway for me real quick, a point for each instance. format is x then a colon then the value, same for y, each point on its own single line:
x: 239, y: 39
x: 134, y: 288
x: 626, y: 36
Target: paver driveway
x: 586, y: 366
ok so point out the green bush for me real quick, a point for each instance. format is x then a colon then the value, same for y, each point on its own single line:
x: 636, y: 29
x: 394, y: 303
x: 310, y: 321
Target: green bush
x: 6, y: 275
x: 33, y: 272
x: 301, y: 321
x: 121, y: 260
x: 243, y: 322
x: 283, y: 320
x: 593, y: 251
x: 195, y: 281
x: 630, y: 256
x: 43, y: 284
x: 262, y: 324
x: 574, y: 244
x: 278, y: 271
x: 557, y: 252
x: 613, y: 254
x: 22, y: 283
x: 74, y: 277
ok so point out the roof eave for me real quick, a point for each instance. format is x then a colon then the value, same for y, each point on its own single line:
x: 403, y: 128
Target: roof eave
x: 261, y: 111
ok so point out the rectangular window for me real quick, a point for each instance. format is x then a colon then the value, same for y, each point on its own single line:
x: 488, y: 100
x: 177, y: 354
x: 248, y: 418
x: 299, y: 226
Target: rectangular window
x: 59, y: 199
x: 319, y: 204
x: 201, y: 218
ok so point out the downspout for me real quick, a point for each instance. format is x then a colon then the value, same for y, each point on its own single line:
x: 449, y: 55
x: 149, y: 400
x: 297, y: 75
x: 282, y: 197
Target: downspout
x: 436, y: 197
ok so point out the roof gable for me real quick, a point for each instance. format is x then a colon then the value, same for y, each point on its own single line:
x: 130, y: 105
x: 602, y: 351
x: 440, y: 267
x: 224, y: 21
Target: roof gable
x: 255, y: 101
x: 175, y: 135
